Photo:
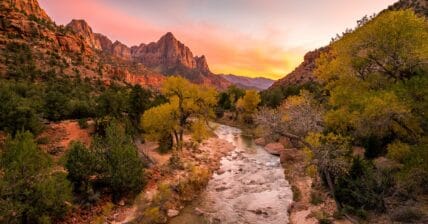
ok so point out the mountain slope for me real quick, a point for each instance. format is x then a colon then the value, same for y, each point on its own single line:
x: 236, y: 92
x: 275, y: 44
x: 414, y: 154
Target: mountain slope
x: 302, y: 73
x: 249, y: 83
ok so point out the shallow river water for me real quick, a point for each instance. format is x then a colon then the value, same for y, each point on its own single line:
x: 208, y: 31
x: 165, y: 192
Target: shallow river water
x: 250, y: 187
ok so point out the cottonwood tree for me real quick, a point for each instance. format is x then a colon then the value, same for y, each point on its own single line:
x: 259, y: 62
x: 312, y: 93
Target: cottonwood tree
x: 374, y: 77
x: 186, y: 100
x: 248, y: 104
x: 295, y: 118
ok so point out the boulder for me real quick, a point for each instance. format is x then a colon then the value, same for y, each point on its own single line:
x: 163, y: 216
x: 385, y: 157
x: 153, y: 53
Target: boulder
x: 172, y: 213
x: 286, y: 142
x: 274, y: 148
x: 260, y: 141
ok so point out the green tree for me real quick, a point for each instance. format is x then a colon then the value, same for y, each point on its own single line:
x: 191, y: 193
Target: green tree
x: 139, y: 101
x: 16, y: 112
x: 118, y: 162
x: 81, y: 165
x: 29, y: 191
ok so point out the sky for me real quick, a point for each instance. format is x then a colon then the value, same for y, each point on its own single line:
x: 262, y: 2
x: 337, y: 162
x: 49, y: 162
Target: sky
x: 254, y: 38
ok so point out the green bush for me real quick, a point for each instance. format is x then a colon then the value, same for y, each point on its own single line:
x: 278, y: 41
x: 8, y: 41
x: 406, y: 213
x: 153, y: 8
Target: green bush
x: 112, y: 160
x: 80, y: 164
x: 364, y: 187
x: 17, y: 113
x: 83, y: 123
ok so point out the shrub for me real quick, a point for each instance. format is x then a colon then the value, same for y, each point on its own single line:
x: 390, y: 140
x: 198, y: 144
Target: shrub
x: 316, y: 198
x: 83, y: 123
x: 398, y: 151
x: 297, y: 194
x: 80, y: 164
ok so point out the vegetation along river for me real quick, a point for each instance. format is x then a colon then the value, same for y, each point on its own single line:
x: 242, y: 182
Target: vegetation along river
x: 249, y: 187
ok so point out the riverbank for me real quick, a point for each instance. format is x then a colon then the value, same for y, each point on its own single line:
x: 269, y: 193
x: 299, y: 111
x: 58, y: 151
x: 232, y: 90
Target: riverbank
x: 174, y: 184
x: 311, y: 202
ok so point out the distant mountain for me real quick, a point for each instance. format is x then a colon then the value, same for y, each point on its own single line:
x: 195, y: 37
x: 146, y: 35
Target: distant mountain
x: 75, y: 49
x: 249, y: 83
x: 167, y: 56
x: 304, y: 72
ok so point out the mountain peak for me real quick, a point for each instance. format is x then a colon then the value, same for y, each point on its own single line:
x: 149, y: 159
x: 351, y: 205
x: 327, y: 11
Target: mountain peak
x: 202, y: 64
x: 169, y: 35
x: 81, y: 27
x: 168, y: 38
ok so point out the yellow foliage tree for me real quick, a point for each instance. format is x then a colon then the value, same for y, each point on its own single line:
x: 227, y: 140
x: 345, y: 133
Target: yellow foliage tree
x: 249, y: 102
x: 186, y: 100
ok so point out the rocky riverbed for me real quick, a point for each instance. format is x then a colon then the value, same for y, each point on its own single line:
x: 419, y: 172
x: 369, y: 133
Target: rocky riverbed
x: 249, y: 187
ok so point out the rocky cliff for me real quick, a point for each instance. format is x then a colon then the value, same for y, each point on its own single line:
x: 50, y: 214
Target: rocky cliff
x: 67, y: 50
x: 82, y: 28
x: 78, y: 50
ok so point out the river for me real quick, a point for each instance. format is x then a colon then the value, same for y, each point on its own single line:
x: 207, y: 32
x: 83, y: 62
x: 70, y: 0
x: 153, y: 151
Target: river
x: 250, y: 187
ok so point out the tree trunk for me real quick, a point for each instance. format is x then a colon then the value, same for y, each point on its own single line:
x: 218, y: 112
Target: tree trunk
x: 176, y: 138
x: 331, y: 188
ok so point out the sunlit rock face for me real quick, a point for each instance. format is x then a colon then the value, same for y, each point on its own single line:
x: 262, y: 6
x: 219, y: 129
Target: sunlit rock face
x: 82, y: 28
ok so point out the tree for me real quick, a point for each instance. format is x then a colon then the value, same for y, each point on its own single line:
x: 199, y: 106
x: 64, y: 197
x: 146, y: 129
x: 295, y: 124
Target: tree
x: 139, y: 101
x: 366, y: 73
x: 248, y: 104
x: 186, y: 100
x: 125, y: 171
x: 29, y: 190
x: 161, y: 121
x: 80, y: 164
x: 375, y: 78
x: 112, y: 160
x: 295, y: 118
x: 17, y: 113
x: 392, y: 45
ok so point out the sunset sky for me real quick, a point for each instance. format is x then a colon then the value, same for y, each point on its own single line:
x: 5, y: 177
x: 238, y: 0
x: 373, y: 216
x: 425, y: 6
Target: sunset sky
x: 245, y: 37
